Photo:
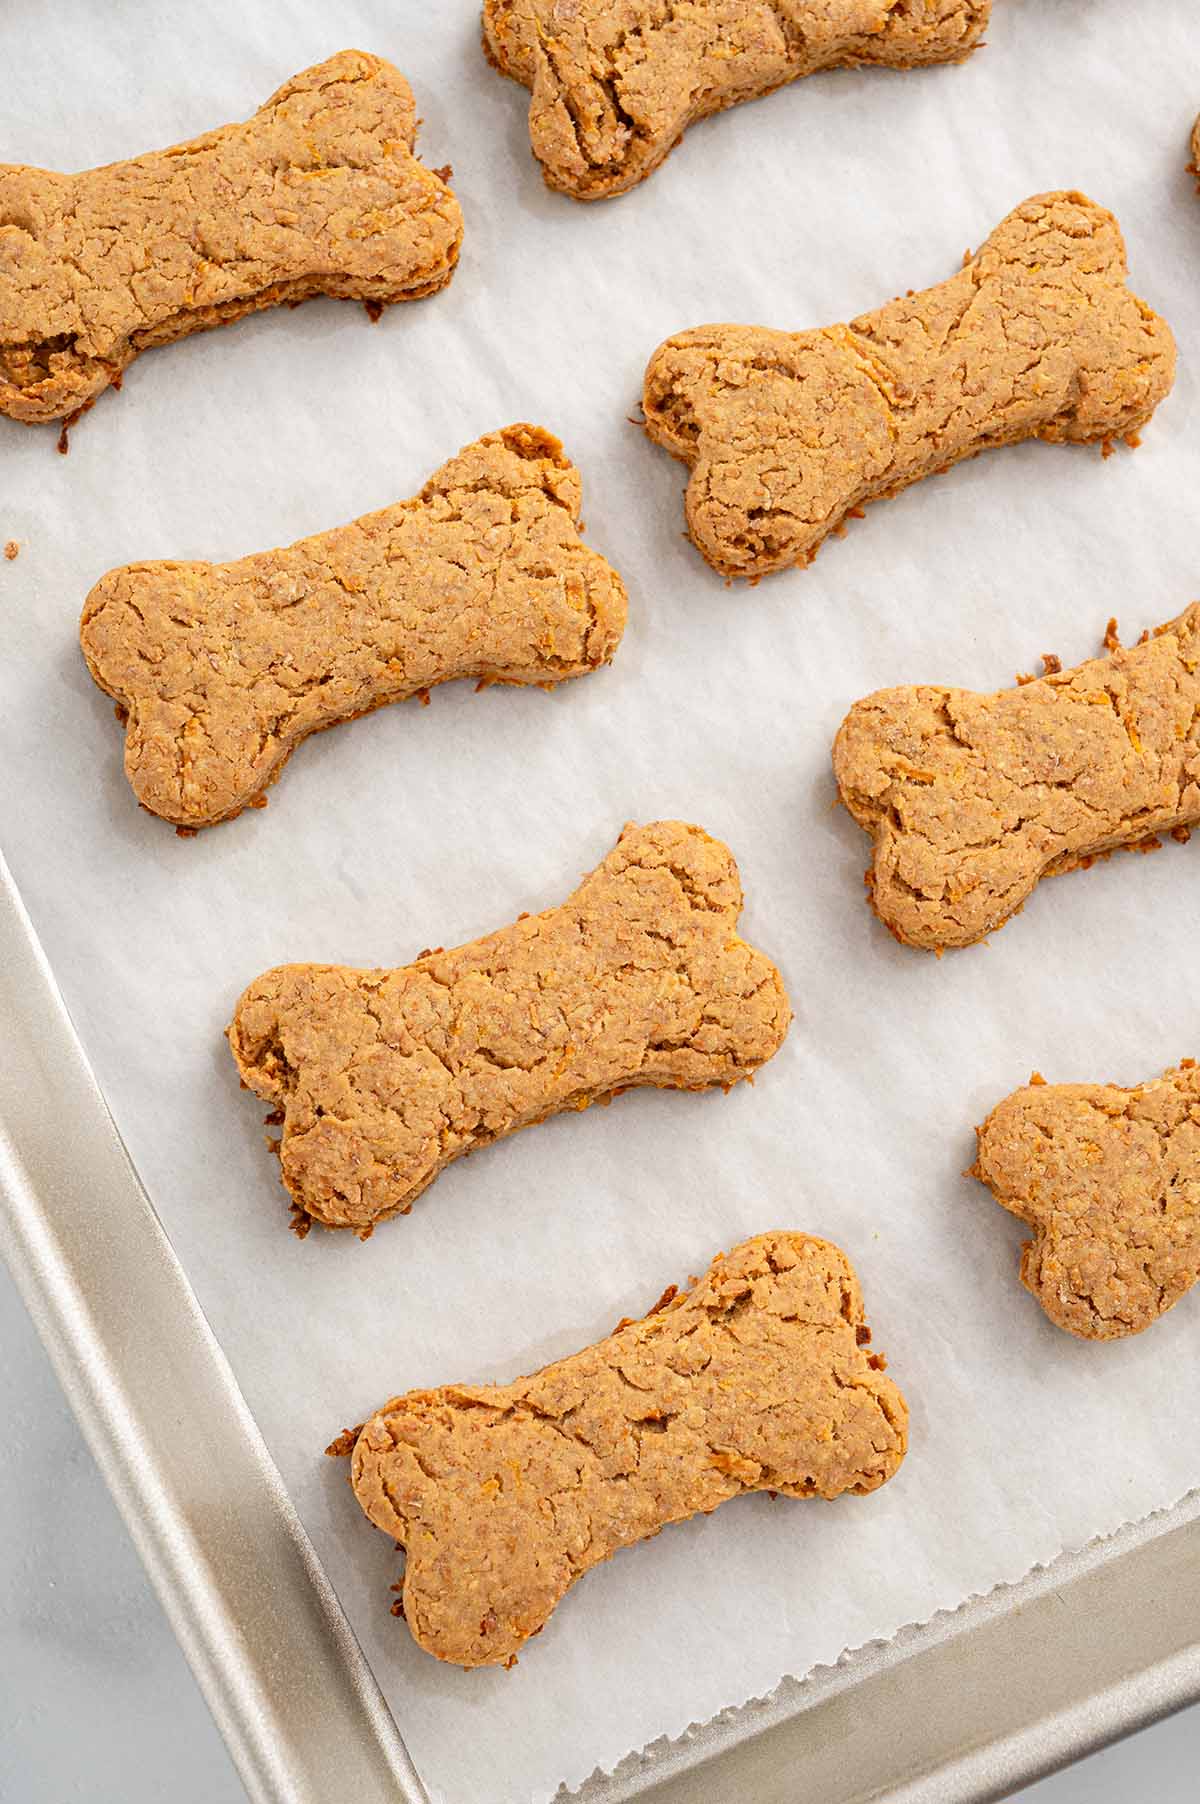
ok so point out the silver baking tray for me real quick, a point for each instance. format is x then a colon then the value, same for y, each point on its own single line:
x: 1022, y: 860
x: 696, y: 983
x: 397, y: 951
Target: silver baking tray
x: 970, y: 1706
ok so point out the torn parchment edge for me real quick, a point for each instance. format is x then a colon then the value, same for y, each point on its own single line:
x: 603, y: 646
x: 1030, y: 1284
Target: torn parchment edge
x: 794, y: 1694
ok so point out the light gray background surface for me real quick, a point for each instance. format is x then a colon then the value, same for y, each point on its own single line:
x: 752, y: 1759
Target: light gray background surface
x: 96, y: 1703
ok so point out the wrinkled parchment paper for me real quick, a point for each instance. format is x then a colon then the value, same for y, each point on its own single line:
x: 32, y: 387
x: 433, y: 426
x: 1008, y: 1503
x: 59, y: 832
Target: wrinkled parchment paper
x: 419, y: 827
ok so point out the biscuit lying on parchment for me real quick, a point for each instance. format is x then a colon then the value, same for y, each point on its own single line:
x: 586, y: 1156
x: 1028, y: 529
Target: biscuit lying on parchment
x: 973, y: 798
x: 223, y: 669
x: 384, y: 1077
x: 318, y: 193
x: 756, y: 1379
x: 614, y: 87
x: 1109, y: 1180
x: 786, y: 433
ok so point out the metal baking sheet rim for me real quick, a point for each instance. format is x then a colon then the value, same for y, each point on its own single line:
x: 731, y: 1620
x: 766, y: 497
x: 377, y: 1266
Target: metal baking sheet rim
x: 971, y: 1706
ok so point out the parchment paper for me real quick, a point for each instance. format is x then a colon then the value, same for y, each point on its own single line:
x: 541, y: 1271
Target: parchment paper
x: 419, y: 827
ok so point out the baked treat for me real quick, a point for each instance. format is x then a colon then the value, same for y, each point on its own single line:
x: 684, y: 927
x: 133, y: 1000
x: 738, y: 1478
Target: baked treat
x: 787, y: 433
x: 614, y: 88
x: 971, y: 799
x: 1109, y: 1181
x: 758, y: 1378
x: 385, y: 1077
x: 220, y: 670
x: 318, y: 193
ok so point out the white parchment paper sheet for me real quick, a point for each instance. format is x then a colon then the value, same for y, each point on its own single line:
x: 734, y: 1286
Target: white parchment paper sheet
x: 420, y: 827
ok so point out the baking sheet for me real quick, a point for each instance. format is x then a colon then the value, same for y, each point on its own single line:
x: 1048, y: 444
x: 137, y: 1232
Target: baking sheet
x: 430, y: 826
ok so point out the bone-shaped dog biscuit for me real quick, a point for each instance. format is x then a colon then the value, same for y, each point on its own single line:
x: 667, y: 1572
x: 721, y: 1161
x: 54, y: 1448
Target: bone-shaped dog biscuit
x: 384, y: 1077
x: 318, y: 193
x: 222, y: 669
x: 786, y: 433
x: 973, y: 798
x: 1109, y: 1180
x: 614, y: 88
x: 756, y: 1379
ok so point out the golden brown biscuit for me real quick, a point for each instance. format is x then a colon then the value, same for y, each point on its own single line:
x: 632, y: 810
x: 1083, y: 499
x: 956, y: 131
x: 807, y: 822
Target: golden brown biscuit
x: 756, y: 1379
x: 1109, y: 1180
x: 786, y: 433
x: 973, y: 798
x: 318, y: 193
x: 613, y: 88
x: 222, y: 669
x: 385, y: 1077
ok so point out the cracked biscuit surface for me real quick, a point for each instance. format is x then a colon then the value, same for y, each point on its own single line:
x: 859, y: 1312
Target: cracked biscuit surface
x: 222, y: 669
x: 972, y: 798
x: 318, y: 193
x: 384, y: 1077
x: 786, y: 433
x: 613, y: 87
x: 1109, y: 1179
x: 756, y: 1379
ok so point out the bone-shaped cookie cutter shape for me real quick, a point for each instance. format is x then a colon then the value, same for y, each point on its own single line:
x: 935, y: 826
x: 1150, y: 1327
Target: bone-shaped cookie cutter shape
x: 1109, y: 1180
x: 318, y: 193
x: 222, y: 669
x: 756, y: 1379
x: 787, y: 433
x: 385, y: 1077
x: 972, y: 799
x: 613, y: 89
